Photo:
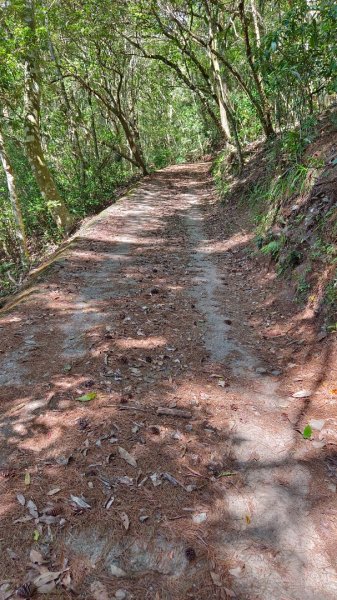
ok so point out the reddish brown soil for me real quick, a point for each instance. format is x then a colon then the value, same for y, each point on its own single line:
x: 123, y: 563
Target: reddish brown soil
x: 131, y: 310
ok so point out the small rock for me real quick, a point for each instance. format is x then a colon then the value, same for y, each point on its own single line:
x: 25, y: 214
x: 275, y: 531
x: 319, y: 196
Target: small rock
x: 189, y: 427
x: 332, y: 487
x: 276, y: 372
x: 261, y: 371
x: 176, y: 435
x: 120, y: 595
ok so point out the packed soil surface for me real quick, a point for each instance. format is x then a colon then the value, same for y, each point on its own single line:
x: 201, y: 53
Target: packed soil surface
x: 156, y: 382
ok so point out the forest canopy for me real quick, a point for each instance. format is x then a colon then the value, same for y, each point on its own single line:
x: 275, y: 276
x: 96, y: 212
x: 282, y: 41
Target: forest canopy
x: 95, y: 93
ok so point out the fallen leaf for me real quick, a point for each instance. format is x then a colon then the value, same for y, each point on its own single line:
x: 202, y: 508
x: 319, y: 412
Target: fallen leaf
x: 216, y: 579
x: 226, y: 474
x: 46, y: 582
x: 66, y: 581
x: 116, y: 571
x: 21, y: 499
x: 32, y: 509
x: 5, y: 591
x: 27, y: 590
x: 80, y: 501
x: 27, y: 478
x: 24, y: 519
x: 302, y: 394
x: 109, y: 502
x: 53, y: 491
x: 125, y: 520
x: 36, y: 535
x: 87, y: 397
x: 36, y: 557
x: 333, y: 391
x: 307, y: 432
x: 156, y: 480
x: 127, y: 457
x: 235, y: 572
x: 248, y: 519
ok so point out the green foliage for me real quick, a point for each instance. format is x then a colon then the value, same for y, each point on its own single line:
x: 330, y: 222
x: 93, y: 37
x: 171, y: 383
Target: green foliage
x: 272, y: 248
x: 330, y: 295
x: 128, y: 87
x: 302, y: 286
x: 307, y: 432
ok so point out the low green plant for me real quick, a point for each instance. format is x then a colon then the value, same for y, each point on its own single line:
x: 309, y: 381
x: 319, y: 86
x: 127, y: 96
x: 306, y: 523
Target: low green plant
x: 303, y: 286
x: 272, y: 248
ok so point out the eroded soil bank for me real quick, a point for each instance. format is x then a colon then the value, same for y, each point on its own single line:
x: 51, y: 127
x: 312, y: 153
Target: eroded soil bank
x: 159, y: 306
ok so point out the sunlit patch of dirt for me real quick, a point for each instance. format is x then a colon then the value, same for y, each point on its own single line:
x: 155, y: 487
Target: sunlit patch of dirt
x: 159, y: 307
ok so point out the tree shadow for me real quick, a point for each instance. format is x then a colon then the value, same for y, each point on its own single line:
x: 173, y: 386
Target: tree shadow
x: 218, y: 501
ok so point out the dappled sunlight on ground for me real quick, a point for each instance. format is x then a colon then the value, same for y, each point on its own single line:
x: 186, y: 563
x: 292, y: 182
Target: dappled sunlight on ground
x: 153, y: 312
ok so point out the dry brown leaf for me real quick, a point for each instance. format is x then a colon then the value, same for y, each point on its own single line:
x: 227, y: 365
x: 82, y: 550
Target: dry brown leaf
x: 66, y: 581
x: 6, y: 594
x: 24, y: 519
x: 21, y: 499
x: 46, y: 582
x: 216, y: 578
x: 53, y: 491
x: 36, y: 557
x: 125, y: 520
x: 32, y: 509
x: 127, y: 457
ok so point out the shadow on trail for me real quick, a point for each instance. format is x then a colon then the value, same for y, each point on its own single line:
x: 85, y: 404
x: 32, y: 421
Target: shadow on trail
x: 118, y: 316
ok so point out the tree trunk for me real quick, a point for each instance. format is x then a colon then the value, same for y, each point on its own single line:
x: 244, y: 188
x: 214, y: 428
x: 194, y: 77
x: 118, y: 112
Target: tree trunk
x: 75, y: 140
x: 256, y: 23
x: 20, y: 233
x: 33, y: 143
x: 266, y: 120
x: 220, y: 84
x: 133, y: 142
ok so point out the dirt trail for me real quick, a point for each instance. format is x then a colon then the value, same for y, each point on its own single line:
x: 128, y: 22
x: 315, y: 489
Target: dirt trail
x: 145, y: 308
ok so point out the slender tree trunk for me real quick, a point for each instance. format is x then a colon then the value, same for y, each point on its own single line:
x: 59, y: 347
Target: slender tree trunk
x: 227, y: 117
x: 133, y: 142
x: 256, y: 23
x: 20, y: 233
x: 220, y: 84
x: 75, y: 140
x: 33, y: 143
x: 265, y: 108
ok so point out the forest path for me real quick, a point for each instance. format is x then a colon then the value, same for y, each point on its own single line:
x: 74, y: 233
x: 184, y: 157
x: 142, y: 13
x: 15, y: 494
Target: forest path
x: 137, y: 314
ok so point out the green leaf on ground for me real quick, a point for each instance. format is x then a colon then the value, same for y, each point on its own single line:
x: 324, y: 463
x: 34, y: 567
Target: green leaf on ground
x: 307, y: 432
x: 226, y: 474
x: 87, y: 397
